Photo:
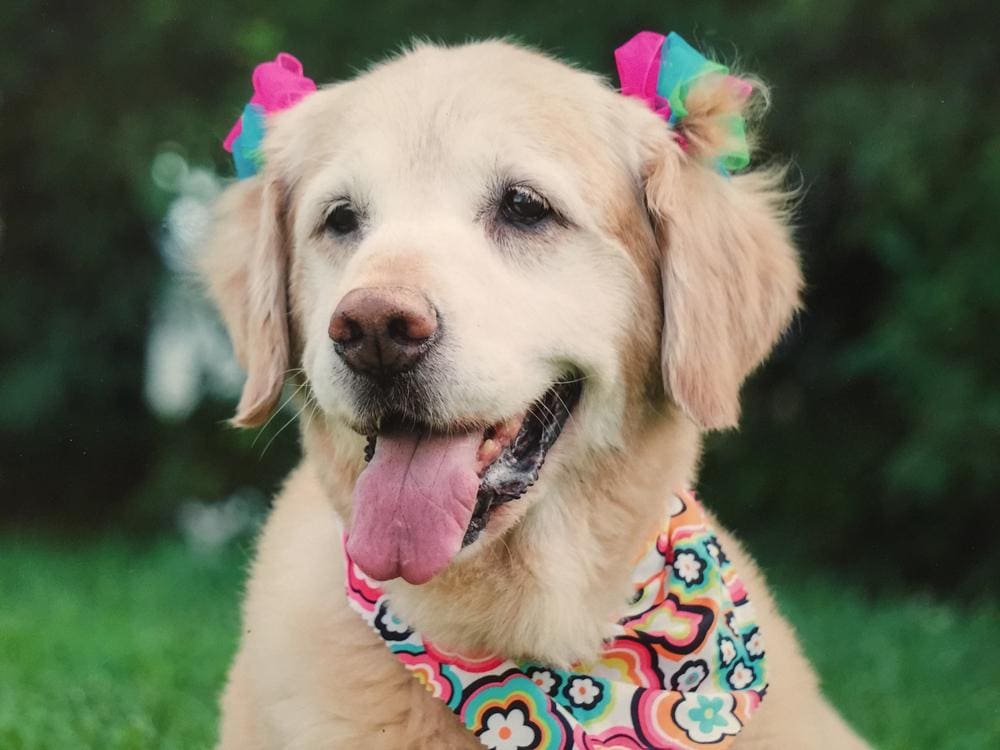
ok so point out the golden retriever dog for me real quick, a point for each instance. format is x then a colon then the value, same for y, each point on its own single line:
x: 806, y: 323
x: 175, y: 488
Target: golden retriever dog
x: 464, y: 249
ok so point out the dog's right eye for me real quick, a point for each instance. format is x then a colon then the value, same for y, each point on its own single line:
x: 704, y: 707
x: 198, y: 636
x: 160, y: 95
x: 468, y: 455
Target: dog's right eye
x: 342, y: 219
x: 522, y: 205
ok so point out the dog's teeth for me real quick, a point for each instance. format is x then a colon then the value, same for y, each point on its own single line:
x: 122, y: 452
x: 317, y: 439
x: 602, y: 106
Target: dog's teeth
x: 488, y: 449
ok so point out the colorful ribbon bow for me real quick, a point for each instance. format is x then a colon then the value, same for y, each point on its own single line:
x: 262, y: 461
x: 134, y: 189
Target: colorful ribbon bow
x: 277, y: 85
x: 661, y: 70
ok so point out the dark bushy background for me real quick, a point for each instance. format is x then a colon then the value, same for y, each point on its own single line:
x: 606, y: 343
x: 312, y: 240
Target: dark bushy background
x: 870, y: 442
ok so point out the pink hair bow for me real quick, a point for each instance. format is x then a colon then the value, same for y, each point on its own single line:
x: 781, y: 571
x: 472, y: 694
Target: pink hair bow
x: 638, y: 63
x: 277, y: 85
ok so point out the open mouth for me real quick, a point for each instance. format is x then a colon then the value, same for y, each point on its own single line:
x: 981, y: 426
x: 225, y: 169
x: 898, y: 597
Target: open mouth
x: 427, y: 493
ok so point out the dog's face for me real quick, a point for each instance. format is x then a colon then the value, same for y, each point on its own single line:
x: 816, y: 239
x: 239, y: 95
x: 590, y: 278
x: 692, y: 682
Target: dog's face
x: 480, y: 257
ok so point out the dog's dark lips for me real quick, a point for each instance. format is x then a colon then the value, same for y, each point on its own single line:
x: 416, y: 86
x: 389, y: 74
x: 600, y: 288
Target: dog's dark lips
x: 519, y: 456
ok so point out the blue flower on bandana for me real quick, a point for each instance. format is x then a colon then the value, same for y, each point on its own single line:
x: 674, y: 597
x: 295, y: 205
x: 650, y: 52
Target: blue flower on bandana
x: 707, y: 718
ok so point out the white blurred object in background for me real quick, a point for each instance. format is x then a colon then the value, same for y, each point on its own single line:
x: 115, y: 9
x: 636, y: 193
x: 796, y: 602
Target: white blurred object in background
x: 209, y: 526
x: 188, y: 355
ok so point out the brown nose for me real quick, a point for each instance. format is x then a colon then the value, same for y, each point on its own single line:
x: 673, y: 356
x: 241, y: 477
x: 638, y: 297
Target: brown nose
x: 383, y: 331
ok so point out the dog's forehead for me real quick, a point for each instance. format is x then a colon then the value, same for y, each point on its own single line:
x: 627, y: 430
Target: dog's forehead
x: 491, y: 99
x: 487, y: 78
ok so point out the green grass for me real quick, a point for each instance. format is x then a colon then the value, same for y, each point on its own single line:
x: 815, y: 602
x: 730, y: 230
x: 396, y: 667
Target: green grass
x: 119, y: 647
x: 908, y: 672
x: 113, y: 645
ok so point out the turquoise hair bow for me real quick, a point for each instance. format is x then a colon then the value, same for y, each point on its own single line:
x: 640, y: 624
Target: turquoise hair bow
x: 661, y: 71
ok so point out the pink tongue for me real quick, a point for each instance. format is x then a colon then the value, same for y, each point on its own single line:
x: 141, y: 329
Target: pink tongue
x: 412, y: 505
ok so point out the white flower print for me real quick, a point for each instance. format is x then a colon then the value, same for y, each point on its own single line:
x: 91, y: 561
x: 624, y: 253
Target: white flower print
x: 390, y: 627
x: 755, y: 644
x: 688, y: 567
x: 675, y: 506
x: 544, y: 679
x: 713, y: 550
x: 508, y: 731
x: 583, y: 691
x: 392, y: 623
x: 740, y: 676
x: 690, y: 676
x: 727, y: 650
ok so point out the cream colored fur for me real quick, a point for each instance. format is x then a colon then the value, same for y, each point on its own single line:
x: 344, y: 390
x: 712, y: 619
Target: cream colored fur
x: 665, y: 286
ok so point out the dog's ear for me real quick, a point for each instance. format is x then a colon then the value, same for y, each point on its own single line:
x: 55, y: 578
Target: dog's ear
x: 246, y: 261
x: 730, y: 274
x: 245, y: 265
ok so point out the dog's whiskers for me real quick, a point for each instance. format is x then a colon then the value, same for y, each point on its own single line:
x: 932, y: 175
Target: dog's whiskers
x: 565, y: 406
x: 275, y: 413
x: 274, y: 437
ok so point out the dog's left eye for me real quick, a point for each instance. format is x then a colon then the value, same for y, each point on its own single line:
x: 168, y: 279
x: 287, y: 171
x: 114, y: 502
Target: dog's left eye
x: 522, y: 205
x: 342, y: 219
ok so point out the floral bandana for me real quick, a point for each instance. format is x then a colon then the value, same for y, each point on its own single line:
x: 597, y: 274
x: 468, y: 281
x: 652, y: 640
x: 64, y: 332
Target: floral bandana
x: 684, y: 670
x: 660, y: 70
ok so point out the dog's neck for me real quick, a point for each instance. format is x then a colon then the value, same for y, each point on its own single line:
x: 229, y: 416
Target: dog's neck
x: 549, y: 589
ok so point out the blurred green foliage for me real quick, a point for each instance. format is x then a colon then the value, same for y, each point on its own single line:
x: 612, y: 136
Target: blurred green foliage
x: 870, y: 441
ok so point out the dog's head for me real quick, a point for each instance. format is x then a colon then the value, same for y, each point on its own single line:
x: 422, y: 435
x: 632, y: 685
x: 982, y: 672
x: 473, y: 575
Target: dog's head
x: 483, y: 259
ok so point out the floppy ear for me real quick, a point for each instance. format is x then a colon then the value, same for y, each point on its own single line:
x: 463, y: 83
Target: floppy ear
x: 730, y: 273
x: 245, y: 266
x: 247, y: 259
